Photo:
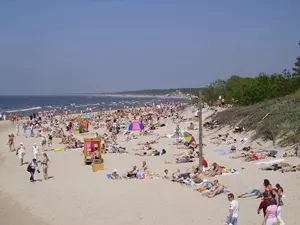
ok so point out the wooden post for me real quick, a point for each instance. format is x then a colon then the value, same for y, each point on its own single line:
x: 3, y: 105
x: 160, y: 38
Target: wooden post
x: 200, y: 132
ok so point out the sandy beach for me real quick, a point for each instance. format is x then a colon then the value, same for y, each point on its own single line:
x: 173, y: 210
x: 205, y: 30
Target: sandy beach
x: 76, y: 195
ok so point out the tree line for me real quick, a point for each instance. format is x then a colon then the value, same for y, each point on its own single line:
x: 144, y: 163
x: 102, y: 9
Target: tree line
x: 249, y: 90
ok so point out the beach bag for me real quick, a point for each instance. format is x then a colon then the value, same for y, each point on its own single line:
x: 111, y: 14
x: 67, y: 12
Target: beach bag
x: 140, y: 175
x: 29, y: 168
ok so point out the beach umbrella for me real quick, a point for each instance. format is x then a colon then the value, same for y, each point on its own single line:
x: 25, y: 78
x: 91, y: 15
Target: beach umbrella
x: 188, y: 137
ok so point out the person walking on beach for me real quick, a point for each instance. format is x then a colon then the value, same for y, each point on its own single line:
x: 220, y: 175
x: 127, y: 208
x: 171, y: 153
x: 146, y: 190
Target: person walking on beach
x: 31, y: 130
x: 24, y: 129
x: 264, y: 204
x: 35, y: 151
x: 232, y: 218
x: 32, y: 166
x: 44, y: 163
x: 10, y: 142
x: 44, y: 142
x: 17, y: 129
x: 271, y: 213
x: 114, y: 132
x: 279, y: 203
x: 21, y: 153
x: 49, y: 142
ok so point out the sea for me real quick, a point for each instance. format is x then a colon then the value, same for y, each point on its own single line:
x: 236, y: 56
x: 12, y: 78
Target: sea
x: 24, y: 105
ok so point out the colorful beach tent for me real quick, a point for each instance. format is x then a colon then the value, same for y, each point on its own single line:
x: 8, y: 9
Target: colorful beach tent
x: 188, y: 137
x: 136, y: 126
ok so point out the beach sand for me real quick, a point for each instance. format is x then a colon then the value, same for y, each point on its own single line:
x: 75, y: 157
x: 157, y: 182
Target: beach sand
x: 76, y: 195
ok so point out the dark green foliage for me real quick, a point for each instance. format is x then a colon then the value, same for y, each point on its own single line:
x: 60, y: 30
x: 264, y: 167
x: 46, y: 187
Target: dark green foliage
x: 246, y: 91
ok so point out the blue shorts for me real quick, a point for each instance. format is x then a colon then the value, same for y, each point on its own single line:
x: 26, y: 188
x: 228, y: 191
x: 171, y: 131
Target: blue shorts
x: 234, y: 221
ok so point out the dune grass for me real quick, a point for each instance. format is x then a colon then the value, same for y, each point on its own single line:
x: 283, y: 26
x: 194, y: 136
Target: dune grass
x: 277, y: 120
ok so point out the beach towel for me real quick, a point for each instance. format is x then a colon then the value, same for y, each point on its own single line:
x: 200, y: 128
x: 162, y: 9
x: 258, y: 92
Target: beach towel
x: 223, y: 151
x: 228, y: 174
x: 272, y: 161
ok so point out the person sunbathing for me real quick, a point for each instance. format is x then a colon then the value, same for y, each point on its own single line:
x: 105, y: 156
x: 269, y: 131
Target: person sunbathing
x: 152, y: 153
x: 116, y: 149
x: 277, y: 166
x: 255, y: 157
x: 191, y: 145
x: 254, y: 192
x: 179, y: 177
x: 215, y: 170
x: 216, y: 189
x: 149, y: 143
x: 183, y: 159
x: 293, y: 169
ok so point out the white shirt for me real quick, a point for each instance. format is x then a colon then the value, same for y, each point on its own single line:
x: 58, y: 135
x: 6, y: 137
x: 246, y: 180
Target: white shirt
x: 35, y: 150
x: 234, y: 205
x: 21, y: 151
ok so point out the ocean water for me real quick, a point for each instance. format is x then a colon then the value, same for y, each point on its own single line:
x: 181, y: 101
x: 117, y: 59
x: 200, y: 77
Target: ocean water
x: 27, y: 104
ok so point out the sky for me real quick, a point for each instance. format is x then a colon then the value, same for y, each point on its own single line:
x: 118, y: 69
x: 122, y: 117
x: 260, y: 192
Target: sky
x: 94, y: 46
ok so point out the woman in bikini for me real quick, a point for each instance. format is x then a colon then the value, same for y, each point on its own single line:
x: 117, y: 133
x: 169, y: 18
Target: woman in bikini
x: 44, y: 164
x: 10, y: 142
x: 267, y: 186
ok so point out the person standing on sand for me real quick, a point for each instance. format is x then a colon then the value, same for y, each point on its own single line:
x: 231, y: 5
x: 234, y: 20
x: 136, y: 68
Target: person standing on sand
x: 17, y: 129
x: 271, y: 214
x: 32, y: 166
x: 10, y: 142
x: 232, y: 218
x: 44, y: 163
x: 177, y: 133
x: 44, y: 142
x: 24, y: 129
x: 279, y: 203
x: 35, y: 151
x: 114, y: 132
x: 21, y: 153
x: 31, y: 130
x: 49, y: 142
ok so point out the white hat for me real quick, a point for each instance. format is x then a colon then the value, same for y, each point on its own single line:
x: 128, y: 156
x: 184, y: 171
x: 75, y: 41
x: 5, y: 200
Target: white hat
x: 21, y: 143
x: 115, y: 170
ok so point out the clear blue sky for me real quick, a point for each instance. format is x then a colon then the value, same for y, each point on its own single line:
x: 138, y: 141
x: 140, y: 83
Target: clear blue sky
x: 59, y: 46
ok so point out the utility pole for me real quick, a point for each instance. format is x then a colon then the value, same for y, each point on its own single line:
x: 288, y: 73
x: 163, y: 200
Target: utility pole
x: 200, y: 131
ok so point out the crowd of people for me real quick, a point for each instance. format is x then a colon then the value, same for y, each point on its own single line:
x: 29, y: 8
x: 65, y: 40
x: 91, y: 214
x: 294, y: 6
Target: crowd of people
x: 203, y: 179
